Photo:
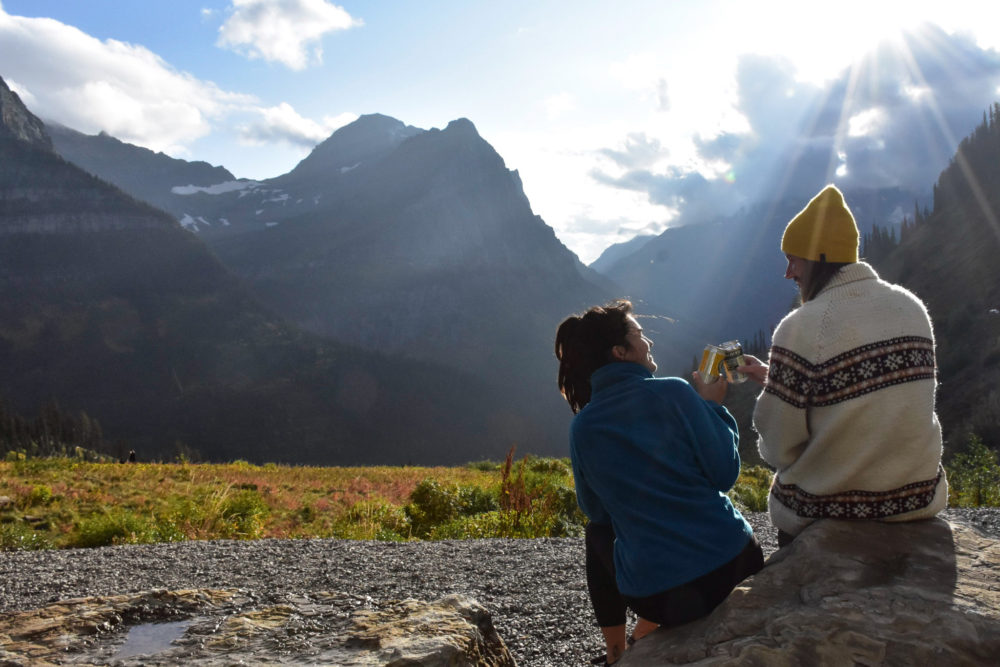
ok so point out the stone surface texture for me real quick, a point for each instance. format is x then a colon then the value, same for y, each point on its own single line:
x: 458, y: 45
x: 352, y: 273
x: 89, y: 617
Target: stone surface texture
x: 225, y: 628
x: 853, y: 593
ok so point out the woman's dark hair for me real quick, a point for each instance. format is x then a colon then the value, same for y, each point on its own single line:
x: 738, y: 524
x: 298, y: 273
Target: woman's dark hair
x: 818, y: 275
x: 583, y: 344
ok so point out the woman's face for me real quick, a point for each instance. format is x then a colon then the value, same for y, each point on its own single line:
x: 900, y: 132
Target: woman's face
x: 639, y: 347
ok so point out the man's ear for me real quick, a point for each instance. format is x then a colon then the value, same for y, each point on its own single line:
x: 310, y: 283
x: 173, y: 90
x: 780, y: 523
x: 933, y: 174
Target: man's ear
x: 619, y: 352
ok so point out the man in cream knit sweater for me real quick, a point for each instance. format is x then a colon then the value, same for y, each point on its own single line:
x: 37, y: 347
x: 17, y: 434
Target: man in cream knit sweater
x: 847, y: 412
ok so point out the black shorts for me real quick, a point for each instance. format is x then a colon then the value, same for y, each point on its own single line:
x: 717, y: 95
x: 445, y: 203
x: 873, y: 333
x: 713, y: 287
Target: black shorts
x: 678, y: 605
x: 697, y: 598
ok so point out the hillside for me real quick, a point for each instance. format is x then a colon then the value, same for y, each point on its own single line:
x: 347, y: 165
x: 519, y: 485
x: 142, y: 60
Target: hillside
x: 108, y: 305
x: 145, y: 175
x: 409, y: 242
x: 949, y: 258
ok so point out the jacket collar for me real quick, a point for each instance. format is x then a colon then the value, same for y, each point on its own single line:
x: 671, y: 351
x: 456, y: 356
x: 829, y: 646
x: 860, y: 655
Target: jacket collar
x: 615, y: 372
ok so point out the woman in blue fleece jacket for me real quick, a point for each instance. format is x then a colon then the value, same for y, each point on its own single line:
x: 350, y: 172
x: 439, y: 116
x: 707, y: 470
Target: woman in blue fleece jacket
x: 652, y: 460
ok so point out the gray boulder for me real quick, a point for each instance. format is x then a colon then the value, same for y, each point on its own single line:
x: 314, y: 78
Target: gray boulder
x: 853, y: 593
x: 213, y: 628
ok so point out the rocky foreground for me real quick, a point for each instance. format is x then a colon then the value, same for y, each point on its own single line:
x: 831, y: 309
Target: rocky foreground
x: 534, y: 589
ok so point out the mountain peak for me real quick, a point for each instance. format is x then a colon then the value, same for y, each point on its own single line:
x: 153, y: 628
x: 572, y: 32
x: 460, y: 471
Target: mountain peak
x: 367, y: 138
x: 17, y: 122
x: 462, y: 125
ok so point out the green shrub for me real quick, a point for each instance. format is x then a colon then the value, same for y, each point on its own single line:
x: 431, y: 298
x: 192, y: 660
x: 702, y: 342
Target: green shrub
x: 431, y: 504
x: 124, y: 527
x: 19, y: 537
x: 561, y: 499
x: 750, y: 492
x: 242, y: 514
x: 40, y: 494
x: 974, y: 476
x: 476, y: 500
x: 374, y: 520
x: 548, y: 466
x: 496, y: 524
x: 190, y: 511
x: 115, y: 527
x: 306, y: 514
x: 483, y: 466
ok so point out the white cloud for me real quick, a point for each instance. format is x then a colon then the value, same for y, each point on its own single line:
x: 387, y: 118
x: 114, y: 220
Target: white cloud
x: 284, y: 31
x: 283, y: 123
x: 555, y: 166
x: 26, y: 97
x: 123, y: 89
x: 866, y: 122
x: 64, y: 75
x: 332, y: 123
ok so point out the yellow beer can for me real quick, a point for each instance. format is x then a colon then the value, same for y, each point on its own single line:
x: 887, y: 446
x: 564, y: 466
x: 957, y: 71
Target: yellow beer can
x: 719, y: 359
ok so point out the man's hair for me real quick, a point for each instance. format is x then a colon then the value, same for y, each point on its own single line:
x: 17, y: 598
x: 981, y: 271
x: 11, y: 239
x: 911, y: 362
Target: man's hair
x: 584, y: 344
x: 817, y: 276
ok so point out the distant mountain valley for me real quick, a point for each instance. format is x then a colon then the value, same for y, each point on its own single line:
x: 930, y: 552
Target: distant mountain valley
x: 393, y: 298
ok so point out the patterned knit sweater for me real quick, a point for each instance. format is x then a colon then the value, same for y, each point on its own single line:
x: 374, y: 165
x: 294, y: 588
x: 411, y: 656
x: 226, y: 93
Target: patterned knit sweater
x: 847, y: 413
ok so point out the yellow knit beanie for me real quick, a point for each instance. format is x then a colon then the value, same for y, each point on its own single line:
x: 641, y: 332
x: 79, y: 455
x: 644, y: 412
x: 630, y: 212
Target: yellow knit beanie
x: 824, y: 231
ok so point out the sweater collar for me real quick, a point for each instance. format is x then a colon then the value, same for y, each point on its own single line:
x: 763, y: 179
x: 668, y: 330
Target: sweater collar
x: 851, y: 273
x: 615, y: 372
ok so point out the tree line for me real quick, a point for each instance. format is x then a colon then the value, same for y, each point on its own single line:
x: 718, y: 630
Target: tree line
x: 53, y: 433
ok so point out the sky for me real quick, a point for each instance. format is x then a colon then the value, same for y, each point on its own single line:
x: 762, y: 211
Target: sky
x: 621, y: 118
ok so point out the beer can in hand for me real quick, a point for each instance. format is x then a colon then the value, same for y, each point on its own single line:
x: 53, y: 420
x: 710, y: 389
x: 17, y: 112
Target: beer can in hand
x: 733, y: 357
x: 711, y: 359
x: 719, y: 359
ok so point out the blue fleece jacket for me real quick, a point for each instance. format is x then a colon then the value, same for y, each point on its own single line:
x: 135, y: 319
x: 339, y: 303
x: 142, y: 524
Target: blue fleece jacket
x: 654, y: 459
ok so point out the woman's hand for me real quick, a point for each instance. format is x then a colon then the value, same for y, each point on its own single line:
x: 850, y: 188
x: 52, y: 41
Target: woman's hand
x: 716, y: 391
x: 755, y: 369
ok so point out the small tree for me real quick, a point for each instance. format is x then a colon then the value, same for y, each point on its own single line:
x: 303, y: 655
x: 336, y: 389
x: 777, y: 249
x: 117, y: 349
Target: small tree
x: 974, y: 476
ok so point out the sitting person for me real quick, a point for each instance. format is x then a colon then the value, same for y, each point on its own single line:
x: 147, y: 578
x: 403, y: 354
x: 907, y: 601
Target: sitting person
x: 847, y: 412
x: 652, y: 460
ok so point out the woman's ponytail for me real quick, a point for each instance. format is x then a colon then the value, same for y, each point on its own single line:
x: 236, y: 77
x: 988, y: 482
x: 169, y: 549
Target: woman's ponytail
x: 583, y: 344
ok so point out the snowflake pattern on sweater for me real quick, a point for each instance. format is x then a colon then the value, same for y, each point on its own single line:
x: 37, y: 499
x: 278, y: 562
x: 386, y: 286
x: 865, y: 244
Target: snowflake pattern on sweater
x: 795, y: 380
x: 857, y: 504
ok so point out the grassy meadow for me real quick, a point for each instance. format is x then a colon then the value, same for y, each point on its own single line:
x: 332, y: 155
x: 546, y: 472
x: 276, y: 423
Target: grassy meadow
x: 66, y: 502
x: 51, y: 503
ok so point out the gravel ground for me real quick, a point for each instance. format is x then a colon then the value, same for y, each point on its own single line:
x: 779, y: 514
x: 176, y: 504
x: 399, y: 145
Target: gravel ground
x: 534, y: 588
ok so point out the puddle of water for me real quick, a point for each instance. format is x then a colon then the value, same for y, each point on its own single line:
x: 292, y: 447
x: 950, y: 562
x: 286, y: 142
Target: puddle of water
x: 151, y: 638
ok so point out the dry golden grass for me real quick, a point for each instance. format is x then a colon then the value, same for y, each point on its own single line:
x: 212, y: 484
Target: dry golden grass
x: 54, y: 503
x: 57, y: 497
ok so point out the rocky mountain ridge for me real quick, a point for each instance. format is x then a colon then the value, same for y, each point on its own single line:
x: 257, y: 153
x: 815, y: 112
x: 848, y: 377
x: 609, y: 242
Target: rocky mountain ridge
x: 410, y: 242
x: 17, y: 123
x: 139, y: 171
x: 108, y: 305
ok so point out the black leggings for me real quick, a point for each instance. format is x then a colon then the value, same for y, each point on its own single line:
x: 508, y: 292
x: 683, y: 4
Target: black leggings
x: 676, y: 606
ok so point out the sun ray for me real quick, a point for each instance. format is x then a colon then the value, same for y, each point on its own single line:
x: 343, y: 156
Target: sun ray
x: 978, y: 192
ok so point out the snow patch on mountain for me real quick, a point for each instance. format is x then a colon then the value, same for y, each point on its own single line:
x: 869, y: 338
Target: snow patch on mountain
x: 217, y: 189
x: 192, y: 223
